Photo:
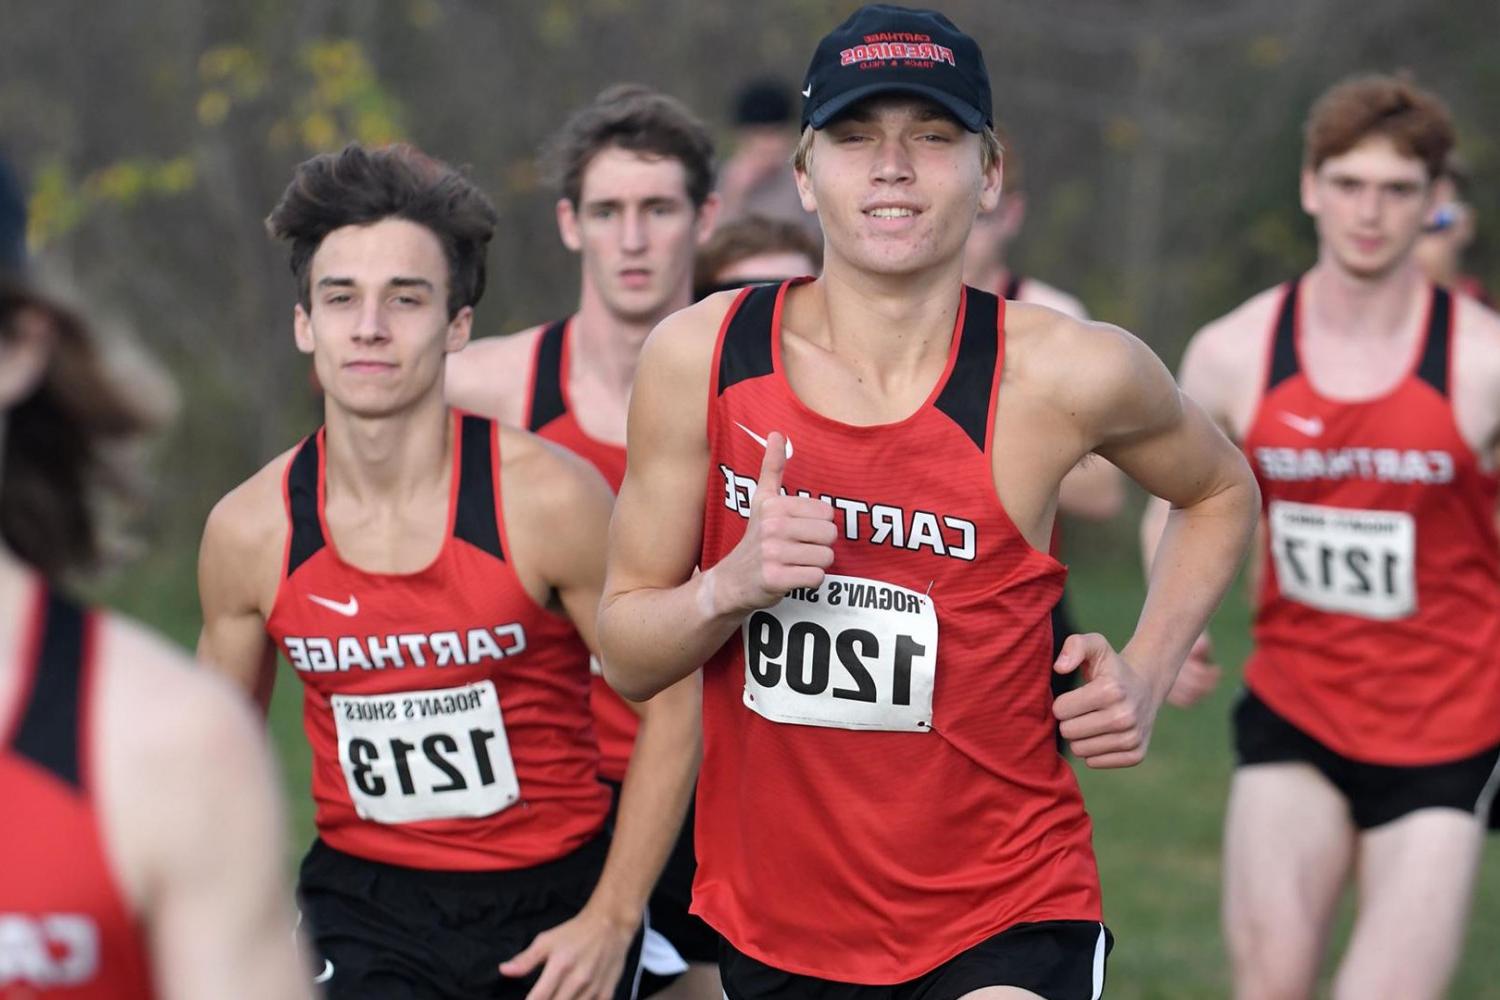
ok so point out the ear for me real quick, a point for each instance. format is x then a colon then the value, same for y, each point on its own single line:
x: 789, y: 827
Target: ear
x: 24, y: 354
x: 990, y: 186
x: 1311, y: 203
x: 302, y: 329
x: 804, y: 187
x: 567, y: 225
x: 708, y: 216
x: 459, y: 329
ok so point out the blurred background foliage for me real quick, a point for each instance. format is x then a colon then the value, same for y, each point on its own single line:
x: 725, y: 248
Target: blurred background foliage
x: 1161, y: 141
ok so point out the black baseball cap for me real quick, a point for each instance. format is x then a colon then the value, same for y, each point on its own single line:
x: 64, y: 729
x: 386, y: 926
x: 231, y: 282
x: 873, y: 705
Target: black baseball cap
x: 883, y: 48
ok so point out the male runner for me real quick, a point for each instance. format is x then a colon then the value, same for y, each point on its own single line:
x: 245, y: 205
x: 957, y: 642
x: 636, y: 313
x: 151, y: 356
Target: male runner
x: 882, y: 813
x: 634, y: 172
x: 754, y: 250
x: 1368, y: 401
x: 433, y: 580
x: 141, y: 849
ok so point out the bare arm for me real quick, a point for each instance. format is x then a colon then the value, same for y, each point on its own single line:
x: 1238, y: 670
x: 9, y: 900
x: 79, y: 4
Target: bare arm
x: 489, y: 376
x: 195, y: 819
x: 659, y: 621
x: 232, y: 561
x: 573, y: 516
x: 1165, y: 442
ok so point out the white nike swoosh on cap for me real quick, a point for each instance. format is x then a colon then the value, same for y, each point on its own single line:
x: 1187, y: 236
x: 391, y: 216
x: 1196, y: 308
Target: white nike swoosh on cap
x: 1310, y: 426
x: 348, y: 608
x: 762, y: 441
x: 808, y: 91
x: 326, y: 974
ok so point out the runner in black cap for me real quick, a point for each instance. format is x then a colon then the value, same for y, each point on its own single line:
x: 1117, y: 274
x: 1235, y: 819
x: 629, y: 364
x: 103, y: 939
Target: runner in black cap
x: 838, y: 498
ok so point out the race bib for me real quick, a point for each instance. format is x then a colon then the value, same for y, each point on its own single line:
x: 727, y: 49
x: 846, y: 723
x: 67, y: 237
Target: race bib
x: 850, y: 654
x: 1357, y: 562
x: 415, y: 755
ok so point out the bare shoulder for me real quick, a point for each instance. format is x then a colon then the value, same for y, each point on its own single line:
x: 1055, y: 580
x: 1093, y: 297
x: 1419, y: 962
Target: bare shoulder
x: 1477, y: 340
x: 1232, y: 347
x: 1042, y: 294
x: 248, y: 526
x: 491, y: 375
x: 683, y: 344
x: 545, y: 485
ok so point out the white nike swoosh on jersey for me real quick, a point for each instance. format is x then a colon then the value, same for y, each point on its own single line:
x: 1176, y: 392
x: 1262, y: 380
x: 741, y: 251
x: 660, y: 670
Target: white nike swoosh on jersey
x: 762, y: 440
x: 326, y: 974
x: 808, y: 91
x: 348, y: 608
x: 1311, y: 426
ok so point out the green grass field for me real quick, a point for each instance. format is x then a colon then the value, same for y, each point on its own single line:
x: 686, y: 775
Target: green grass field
x: 1157, y: 827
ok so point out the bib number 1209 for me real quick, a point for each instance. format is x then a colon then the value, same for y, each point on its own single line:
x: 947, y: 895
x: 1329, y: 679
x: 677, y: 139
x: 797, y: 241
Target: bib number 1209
x: 852, y: 654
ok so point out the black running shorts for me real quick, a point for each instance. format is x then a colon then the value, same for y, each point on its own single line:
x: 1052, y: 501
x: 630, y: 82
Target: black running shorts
x: 1377, y: 793
x: 393, y: 933
x: 1056, y: 959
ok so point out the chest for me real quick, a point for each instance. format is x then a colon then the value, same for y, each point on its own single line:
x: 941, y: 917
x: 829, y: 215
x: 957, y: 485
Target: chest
x: 391, y: 539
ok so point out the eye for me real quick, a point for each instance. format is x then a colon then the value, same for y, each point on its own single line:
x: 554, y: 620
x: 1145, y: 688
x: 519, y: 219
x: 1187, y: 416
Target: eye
x: 338, y: 299
x: 601, y: 212
x: 1404, y: 189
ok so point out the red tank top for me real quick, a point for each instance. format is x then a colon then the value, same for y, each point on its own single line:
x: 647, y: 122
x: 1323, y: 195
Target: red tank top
x: 446, y: 710
x: 65, y: 928
x: 549, y: 414
x: 881, y: 783
x: 1378, y: 629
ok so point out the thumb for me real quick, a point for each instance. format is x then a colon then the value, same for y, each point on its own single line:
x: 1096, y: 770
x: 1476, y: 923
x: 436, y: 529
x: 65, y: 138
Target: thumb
x: 771, y: 468
x: 1078, y: 650
x: 527, y: 961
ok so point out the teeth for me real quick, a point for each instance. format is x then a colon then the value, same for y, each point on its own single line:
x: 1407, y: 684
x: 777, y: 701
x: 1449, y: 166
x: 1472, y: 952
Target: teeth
x: 891, y: 213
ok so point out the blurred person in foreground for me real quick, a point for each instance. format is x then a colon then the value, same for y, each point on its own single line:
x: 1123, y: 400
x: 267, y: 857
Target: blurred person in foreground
x: 838, y: 501
x: 141, y: 850
x: 433, y: 580
x: 1368, y: 736
x: 755, y: 250
x: 757, y: 178
x: 1448, y: 233
x: 634, y: 176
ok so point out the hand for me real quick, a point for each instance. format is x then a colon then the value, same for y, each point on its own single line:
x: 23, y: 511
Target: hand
x: 1107, y: 720
x: 1198, y: 676
x: 581, y: 959
x: 788, y: 543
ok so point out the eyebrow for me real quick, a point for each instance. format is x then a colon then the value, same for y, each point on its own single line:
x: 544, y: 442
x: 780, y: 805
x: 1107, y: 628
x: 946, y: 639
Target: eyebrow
x: 397, y: 282
x: 649, y: 202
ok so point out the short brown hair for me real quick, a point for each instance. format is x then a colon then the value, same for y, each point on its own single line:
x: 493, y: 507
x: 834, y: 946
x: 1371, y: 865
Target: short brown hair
x: 1415, y: 120
x: 633, y: 117
x: 65, y: 458
x: 360, y: 186
x: 749, y: 237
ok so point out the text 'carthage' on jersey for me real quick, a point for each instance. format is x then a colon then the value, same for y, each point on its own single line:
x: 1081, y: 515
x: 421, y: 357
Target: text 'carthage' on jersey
x: 876, y: 523
x: 1383, y: 465
x: 325, y: 654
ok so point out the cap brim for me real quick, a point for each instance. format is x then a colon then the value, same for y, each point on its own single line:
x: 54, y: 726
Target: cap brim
x: 968, y: 116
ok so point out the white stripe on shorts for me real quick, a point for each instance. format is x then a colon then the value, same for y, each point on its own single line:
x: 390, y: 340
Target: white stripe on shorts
x: 1487, y: 795
x: 1099, y: 965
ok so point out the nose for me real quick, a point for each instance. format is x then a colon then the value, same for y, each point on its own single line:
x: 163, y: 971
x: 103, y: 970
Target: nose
x: 633, y: 238
x: 893, y: 164
x: 371, y: 325
x: 1371, y: 201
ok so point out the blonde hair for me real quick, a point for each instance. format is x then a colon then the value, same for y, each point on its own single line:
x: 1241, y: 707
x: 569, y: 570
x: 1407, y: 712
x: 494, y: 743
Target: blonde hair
x: 991, y: 151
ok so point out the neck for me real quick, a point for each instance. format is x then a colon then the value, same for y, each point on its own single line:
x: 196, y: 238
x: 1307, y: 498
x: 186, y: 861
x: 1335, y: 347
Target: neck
x: 1341, y: 302
x: 389, y: 458
x: 989, y: 278
x: 607, y: 346
x: 891, y: 321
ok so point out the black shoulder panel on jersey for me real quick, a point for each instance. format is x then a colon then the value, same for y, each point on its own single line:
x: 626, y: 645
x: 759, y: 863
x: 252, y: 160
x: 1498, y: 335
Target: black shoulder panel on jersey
x: 52, y: 721
x: 1013, y: 287
x: 1433, y: 368
x: 746, y: 352
x: 966, y: 397
x: 1284, y: 348
x: 302, y: 501
x: 476, y: 520
x: 546, y: 380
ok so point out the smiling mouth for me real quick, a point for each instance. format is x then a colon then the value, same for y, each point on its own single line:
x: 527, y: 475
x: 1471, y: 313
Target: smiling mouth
x: 891, y: 213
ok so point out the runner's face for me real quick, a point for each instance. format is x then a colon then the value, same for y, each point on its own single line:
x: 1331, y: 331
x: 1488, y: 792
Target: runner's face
x: 1369, y: 205
x: 636, y: 229
x: 896, y: 184
x: 378, y: 329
